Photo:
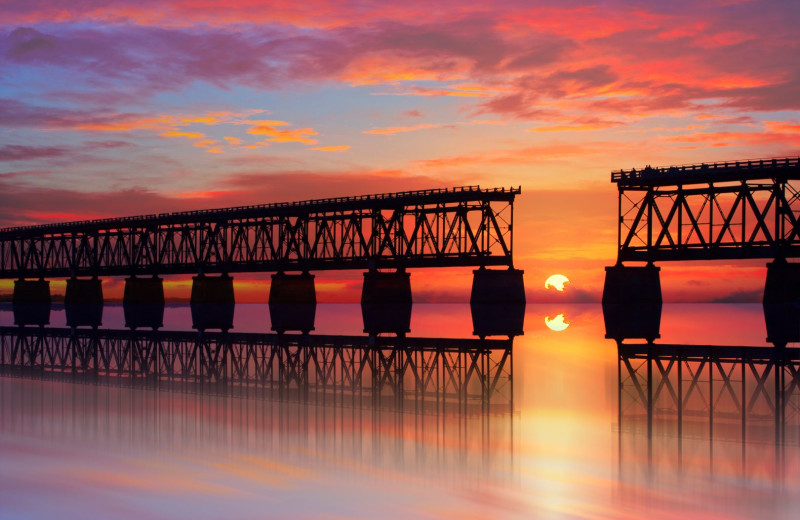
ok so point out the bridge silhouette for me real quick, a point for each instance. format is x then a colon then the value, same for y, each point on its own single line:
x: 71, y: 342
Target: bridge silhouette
x: 711, y: 211
x: 463, y: 226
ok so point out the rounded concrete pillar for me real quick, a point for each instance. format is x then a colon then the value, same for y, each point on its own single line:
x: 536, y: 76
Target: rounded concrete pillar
x: 386, y: 302
x: 212, y: 302
x: 292, y: 302
x: 31, y: 302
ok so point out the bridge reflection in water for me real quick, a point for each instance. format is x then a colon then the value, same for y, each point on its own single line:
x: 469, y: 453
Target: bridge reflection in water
x: 438, y: 403
x: 711, y: 409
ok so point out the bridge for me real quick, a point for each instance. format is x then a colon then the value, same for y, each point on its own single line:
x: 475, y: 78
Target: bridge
x: 463, y: 226
x: 710, y: 211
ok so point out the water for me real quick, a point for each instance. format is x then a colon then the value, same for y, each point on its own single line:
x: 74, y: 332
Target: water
x: 551, y: 425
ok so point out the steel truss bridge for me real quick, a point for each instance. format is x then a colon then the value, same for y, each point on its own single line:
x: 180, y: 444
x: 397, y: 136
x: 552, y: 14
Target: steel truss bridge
x: 464, y: 226
x: 420, y: 374
x: 726, y: 210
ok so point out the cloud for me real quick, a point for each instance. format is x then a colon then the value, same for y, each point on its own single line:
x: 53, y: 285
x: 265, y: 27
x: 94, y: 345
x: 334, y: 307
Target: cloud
x: 741, y: 296
x: 400, y: 129
x: 523, y: 58
x: 340, y: 148
x: 23, y: 205
x: 188, y: 135
x: 26, y: 153
x: 278, y: 135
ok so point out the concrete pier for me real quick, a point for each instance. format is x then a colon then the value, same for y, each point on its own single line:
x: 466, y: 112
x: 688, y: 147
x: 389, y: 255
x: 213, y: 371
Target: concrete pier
x: 386, y: 302
x: 496, y: 286
x: 144, y: 291
x: 31, y: 302
x: 143, y: 302
x: 84, y: 292
x: 212, y: 302
x: 83, y: 302
x: 292, y: 302
x: 212, y: 289
x: 497, y: 302
x: 632, y: 285
x: 632, y: 302
x: 782, y: 302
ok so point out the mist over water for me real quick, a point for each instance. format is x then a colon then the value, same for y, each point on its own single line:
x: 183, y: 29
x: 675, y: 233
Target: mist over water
x: 434, y: 425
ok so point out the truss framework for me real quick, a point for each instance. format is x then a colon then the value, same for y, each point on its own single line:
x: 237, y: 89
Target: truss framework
x: 747, y: 209
x: 465, y: 226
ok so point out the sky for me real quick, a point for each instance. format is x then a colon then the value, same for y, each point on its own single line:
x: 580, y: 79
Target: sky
x: 132, y: 107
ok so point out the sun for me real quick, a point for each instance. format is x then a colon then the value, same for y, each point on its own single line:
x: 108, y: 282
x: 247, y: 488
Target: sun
x: 557, y: 324
x: 557, y: 281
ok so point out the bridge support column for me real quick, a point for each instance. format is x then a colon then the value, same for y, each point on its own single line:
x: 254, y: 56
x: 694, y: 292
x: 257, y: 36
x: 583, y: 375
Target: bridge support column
x: 496, y: 286
x: 212, y: 302
x: 83, y: 302
x: 31, y: 302
x: 497, y: 302
x: 292, y: 302
x: 143, y: 302
x: 782, y: 302
x: 386, y: 302
x: 632, y: 302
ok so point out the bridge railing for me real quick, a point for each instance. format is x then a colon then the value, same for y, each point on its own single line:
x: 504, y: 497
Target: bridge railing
x: 649, y: 172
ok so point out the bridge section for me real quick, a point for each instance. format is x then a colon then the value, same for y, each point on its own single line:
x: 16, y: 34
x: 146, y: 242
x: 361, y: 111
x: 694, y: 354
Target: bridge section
x: 716, y: 211
x: 743, y: 209
x: 465, y: 226
x: 462, y: 226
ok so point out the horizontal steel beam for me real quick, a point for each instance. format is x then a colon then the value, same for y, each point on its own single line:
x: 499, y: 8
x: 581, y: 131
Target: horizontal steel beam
x: 700, y: 252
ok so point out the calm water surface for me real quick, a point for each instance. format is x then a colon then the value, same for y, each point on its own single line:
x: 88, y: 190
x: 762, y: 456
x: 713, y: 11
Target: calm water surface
x: 551, y: 425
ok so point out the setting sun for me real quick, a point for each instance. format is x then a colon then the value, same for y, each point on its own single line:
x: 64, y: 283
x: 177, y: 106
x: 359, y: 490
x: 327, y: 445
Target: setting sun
x: 557, y: 281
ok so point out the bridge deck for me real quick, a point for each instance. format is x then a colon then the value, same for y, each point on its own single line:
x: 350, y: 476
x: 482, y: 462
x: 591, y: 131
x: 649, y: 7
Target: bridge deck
x: 753, y: 169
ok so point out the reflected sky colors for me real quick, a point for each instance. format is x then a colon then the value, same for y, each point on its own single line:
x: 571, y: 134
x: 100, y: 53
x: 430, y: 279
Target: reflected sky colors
x: 567, y: 439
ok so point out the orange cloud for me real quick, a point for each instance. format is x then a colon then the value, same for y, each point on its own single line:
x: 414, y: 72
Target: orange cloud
x: 300, y: 135
x: 468, y: 91
x: 579, y: 127
x: 400, y: 129
x: 126, y: 123
x: 726, y: 139
x: 188, y: 135
x: 782, y: 126
x: 340, y: 148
